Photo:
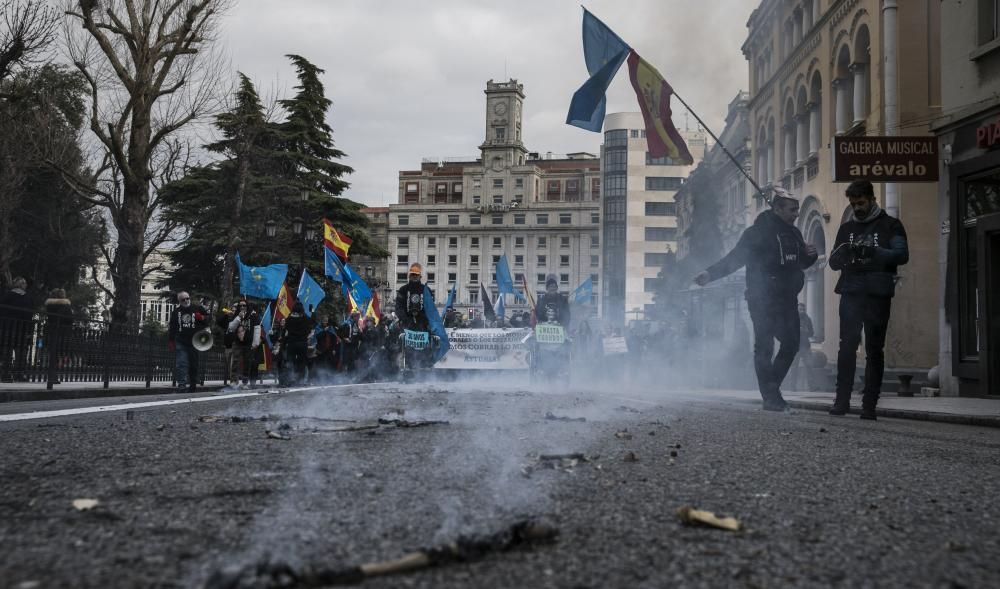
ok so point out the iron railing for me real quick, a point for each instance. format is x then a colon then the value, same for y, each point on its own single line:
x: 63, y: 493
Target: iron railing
x: 58, y: 349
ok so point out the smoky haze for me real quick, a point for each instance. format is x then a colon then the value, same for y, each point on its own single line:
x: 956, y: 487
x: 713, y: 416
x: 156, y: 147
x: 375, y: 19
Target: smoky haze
x: 407, y: 78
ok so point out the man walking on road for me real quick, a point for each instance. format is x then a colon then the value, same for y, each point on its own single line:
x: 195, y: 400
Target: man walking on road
x: 185, y: 320
x: 775, y: 255
x: 868, y: 249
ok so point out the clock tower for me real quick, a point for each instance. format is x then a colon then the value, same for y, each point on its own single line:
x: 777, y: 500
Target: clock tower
x: 503, y: 146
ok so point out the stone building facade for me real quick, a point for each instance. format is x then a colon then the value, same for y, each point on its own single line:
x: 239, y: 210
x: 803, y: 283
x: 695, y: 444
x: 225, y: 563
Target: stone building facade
x: 457, y: 216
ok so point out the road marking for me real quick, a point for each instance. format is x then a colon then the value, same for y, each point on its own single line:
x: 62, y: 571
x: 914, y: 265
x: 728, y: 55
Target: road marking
x: 124, y: 406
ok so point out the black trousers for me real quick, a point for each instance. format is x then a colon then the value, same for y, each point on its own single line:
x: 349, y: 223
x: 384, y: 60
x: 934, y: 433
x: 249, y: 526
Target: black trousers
x: 857, y: 312
x: 773, y: 320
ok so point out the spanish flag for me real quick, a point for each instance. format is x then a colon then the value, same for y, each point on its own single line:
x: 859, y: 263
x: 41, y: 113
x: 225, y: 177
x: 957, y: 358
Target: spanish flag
x: 654, y: 95
x: 374, y: 309
x: 283, y: 307
x: 336, y: 241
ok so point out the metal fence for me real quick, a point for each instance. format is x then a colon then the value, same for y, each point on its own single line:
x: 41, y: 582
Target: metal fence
x: 57, y: 349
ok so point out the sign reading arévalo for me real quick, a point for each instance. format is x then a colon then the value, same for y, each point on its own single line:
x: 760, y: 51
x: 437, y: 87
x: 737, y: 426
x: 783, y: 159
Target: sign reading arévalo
x: 885, y: 159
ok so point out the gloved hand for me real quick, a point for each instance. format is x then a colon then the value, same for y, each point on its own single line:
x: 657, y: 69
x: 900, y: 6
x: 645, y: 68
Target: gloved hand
x: 171, y: 345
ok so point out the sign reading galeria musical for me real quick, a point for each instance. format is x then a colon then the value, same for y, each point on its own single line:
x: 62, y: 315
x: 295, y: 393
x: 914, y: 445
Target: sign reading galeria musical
x: 885, y: 159
x: 486, y: 349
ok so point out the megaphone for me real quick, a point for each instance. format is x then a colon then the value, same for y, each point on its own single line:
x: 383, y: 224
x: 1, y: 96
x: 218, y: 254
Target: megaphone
x: 202, y: 340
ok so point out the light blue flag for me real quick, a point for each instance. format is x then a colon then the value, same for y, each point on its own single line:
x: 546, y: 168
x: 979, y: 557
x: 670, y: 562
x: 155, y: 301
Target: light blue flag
x: 263, y: 282
x: 583, y: 293
x: 604, y: 52
x: 498, y: 307
x: 451, y: 297
x: 334, y: 268
x: 356, y: 287
x: 310, y: 293
x: 265, y: 325
x: 435, y: 323
x: 505, y: 284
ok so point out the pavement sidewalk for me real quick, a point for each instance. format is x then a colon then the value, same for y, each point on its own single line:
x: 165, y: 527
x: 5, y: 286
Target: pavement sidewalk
x: 26, y: 392
x: 961, y: 410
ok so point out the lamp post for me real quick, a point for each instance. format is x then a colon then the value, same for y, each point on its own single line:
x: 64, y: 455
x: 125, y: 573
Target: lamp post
x: 297, y: 227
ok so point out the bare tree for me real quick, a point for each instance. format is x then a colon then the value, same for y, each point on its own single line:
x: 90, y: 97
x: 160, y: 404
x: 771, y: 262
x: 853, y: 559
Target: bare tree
x: 150, y: 72
x: 27, y: 28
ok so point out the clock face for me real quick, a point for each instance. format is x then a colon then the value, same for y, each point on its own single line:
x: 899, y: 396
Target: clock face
x: 500, y: 108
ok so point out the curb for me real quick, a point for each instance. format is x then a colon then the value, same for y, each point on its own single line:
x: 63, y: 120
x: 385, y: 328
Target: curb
x: 68, y: 394
x: 959, y: 419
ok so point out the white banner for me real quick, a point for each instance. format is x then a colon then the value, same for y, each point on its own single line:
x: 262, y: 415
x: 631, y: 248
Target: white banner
x: 614, y: 346
x: 486, y: 349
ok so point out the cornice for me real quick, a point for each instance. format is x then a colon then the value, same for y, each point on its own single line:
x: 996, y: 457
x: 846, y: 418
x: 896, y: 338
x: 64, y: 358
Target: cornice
x: 839, y: 13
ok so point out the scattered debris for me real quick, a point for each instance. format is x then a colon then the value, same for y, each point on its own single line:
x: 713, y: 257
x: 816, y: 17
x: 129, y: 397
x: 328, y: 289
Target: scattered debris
x: 627, y: 409
x: 399, y: 422
x: 822, y: 430
x: 350, y: 428
x: 673, y: 453
x: 678, y: 446
x: 272, y: 575
x: 652, y: 433
x: 276, y: 436
x: 563, y: 462
x: 951, y: 546
x: 623, y: 435
x: 631, y: 457
x: 210, y: 418
x: 553, y: 417
x: 786, y: 433
x: 85, y: 504
x: 160, y: 427
x: 691, y: 516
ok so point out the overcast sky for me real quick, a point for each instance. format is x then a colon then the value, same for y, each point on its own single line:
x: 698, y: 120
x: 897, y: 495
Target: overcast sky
x: 407, y: 77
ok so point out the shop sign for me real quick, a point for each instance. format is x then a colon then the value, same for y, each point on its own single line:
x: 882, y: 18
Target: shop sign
x: 885, y: 159
x: 988, y: 136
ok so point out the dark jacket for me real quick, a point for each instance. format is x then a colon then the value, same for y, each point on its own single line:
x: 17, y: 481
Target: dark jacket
x: 15, y: 305
x: 184, y: 322
x: 775, y: 256
x: 874, y: 274
x: 555, y: 304
x: 410, y: 306
x: 297, y: 328
x: 60, y: 313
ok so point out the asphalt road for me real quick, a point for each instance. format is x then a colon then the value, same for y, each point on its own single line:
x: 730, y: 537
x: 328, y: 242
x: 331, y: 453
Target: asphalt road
x: 824, y: 501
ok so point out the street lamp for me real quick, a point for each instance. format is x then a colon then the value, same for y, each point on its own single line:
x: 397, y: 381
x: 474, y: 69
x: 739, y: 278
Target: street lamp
x: 270, y: 227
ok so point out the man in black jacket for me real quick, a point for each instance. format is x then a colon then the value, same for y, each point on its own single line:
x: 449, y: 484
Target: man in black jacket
x: 410, y: 301
x: 868, y: 249
x: 185, y: 320
x: 16, y: 328
x: 775, y: 256
x: 552, y: 306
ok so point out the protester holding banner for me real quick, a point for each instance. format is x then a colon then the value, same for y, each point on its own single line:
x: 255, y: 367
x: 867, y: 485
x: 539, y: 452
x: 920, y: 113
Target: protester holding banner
x: 552, y: 305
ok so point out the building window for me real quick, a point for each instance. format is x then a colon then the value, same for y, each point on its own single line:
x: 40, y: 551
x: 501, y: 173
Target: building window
x: 614, y: 210
x: 660, y: 161
x: 518, y: 182
x: 473, y: 296
x: 595, y: 241
x: 518, y: 198
x: 431, y: 260
x: 452, y: 242
x: 475, y: 199
x: 474, y: 260
x: 595, y: 261
x: 441, y: 192
x: 452, y: 260
x: 477, y: 182
x: 540, y: 278
x: 553, y: 190
x: 661, y: 233
x: 432, y: 219
x: 616, y: 138
x: 541, y: 261
x: 519, y: 218
x: 501, y: 133
x: 497, y: 242
x: 432, y: 242
x: 412, y: 193
x: 663, y: 183
x: 403, y: 220
x: 989, y: 20
x: 565, y: 218
x: 661, y: 209
x: 518, y: 242
x: 542, y: 219
x: 401, y: 277
x: 453, y: 219
x: 572, y: 190
x: 473, y: 276
x: 595, y: 218
x: 475, y: 220
x: 452, y: 277
x: 474, y: 242
x: 595, y: 189
x: 615, y: 161
x: 519, y: 260
x: 564, y: 279
x: 649, y: 284
x: 402, y: 260
x: 497, y: 219
x: 594, y: 278
x: 402, y: 242
x: 655, y: 260
x: 498, y: 183
x: 430, y: 277
x: 564, y: 241
x: 495, y: 260
x: 634, y: 133
x: 543, y: 242
x: 519, y: 278
x: 564, y: 261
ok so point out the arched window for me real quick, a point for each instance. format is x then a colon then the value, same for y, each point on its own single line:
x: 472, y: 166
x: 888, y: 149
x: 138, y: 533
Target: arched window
x: 814, y: 293
x: 788, y: 132
x: 843, y: 91
x: 815, y: 118
x: 801, y: 126
x: 861, y: 74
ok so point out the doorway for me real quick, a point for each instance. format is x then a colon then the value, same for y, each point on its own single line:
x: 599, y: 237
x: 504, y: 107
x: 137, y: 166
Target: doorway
x: 988, y: 229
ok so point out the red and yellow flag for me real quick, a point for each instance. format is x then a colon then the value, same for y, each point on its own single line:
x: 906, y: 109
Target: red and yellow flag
x: 337, y: 241
x: 284, y: 304
x: 374, y: 310
x: 654, y: 95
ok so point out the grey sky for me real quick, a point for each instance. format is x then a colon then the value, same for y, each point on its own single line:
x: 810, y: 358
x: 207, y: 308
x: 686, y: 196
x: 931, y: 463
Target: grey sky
x: 407, y: 77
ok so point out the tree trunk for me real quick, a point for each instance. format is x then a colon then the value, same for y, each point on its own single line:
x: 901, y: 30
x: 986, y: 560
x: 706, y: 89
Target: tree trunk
x: 233, y: 238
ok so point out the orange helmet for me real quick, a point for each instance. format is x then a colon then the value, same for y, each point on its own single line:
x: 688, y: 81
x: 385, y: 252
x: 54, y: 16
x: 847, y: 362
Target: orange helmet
x: 416, y: 268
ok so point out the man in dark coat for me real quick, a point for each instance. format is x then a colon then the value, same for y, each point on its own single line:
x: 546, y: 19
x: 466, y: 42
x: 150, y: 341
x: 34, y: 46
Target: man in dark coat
x: 186, y: 319
x: 16, y: 327
x: 868, y: 249
x: 775, y: 255
x: 552, y: 306
x: 410, y: 301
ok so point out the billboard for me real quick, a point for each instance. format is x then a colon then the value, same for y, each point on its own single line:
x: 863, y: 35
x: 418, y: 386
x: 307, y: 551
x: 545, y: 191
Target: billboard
x: 885, y: 159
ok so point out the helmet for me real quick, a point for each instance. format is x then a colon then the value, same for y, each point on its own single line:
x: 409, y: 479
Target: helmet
x: 416, y: 268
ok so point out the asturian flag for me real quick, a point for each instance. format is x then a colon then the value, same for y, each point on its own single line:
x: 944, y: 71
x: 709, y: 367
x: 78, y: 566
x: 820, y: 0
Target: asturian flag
x: 310, y: 293
x: 262, y: 282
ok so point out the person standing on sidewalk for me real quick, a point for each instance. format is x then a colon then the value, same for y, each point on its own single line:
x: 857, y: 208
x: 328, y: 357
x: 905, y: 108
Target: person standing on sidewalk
x: 16, y: 329
x: 775, y: 255
x: 185, y: 320
x: 868, y: 249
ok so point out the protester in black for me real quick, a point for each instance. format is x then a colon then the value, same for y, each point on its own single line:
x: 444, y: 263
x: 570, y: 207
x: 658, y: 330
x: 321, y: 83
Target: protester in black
x: 296, y: 335
x: 16, y: 329
x: 410, y: 302
x: 775, y: 255
x: 552, y: 306
x: 868, y: 249
x: 185, y: 320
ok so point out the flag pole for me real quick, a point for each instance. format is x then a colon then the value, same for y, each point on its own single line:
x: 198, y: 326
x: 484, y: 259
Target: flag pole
x: 723, y: 146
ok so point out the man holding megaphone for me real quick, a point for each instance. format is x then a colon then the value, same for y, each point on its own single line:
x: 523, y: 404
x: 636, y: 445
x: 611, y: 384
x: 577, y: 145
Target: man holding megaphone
x: 185, y: 322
